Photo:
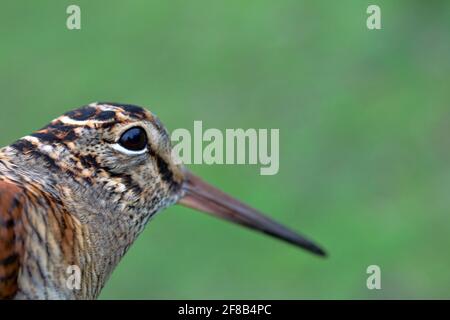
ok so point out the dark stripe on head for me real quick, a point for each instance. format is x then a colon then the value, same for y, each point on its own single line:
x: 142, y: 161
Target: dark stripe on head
x: 82, y: 114
x: 56, y: 132
x: 132, y: 110
x: 64, y: 131
x: 164, y: 170
x: 47, y: 137
x: 23, y: 146
x: 105, y: 116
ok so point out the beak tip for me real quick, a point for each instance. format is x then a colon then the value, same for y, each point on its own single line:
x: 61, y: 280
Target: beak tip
x: 320, y: 252
x: 313, y: 248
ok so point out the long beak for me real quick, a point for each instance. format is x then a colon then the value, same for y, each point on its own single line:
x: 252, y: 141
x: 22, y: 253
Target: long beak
x: 204, y: 197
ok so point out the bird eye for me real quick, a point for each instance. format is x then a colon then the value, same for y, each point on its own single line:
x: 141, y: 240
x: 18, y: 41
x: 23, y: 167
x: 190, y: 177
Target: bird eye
x: 134, y: 139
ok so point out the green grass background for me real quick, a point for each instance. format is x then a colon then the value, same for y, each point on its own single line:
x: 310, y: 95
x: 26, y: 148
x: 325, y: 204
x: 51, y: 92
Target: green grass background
x: 363, y: 118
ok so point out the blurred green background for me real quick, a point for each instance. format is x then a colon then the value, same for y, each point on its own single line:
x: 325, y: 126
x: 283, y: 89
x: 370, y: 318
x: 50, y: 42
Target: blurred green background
x: 363, y: 117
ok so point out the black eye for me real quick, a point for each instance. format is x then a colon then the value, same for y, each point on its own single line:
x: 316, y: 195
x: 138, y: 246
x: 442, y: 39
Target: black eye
x: 134, y: 139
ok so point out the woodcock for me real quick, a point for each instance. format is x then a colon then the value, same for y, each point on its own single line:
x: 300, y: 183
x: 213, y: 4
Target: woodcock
x: 79, y: 191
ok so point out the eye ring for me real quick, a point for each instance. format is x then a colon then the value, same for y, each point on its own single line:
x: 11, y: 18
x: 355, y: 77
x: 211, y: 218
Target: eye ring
x: 134, y: 140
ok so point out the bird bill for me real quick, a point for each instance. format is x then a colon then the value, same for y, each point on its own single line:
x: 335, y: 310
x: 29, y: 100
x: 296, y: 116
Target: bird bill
x: 204, y: 197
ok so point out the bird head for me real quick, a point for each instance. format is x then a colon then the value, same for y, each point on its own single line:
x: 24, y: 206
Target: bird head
x: 118, y: 166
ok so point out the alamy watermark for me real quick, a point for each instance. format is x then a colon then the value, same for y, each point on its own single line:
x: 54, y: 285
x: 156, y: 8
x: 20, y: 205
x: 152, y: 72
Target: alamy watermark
x: 233, y: 146
x: 73, y: 21
x: 373, y: 21
x: 374, y: 278
x: 73, y: 281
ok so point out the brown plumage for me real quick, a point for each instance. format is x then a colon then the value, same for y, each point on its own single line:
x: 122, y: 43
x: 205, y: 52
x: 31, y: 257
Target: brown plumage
x: 79, y: 191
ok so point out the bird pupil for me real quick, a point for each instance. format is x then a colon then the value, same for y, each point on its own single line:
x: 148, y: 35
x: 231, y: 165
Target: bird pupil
x: 135, y: 139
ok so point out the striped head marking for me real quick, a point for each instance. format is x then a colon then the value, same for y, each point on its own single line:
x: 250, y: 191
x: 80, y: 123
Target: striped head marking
x: 108, y: 156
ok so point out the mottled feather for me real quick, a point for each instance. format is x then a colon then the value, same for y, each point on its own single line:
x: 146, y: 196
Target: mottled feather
x: 11, y: 237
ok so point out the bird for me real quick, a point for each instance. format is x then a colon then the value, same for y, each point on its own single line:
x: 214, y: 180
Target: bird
x: 79, y: 191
